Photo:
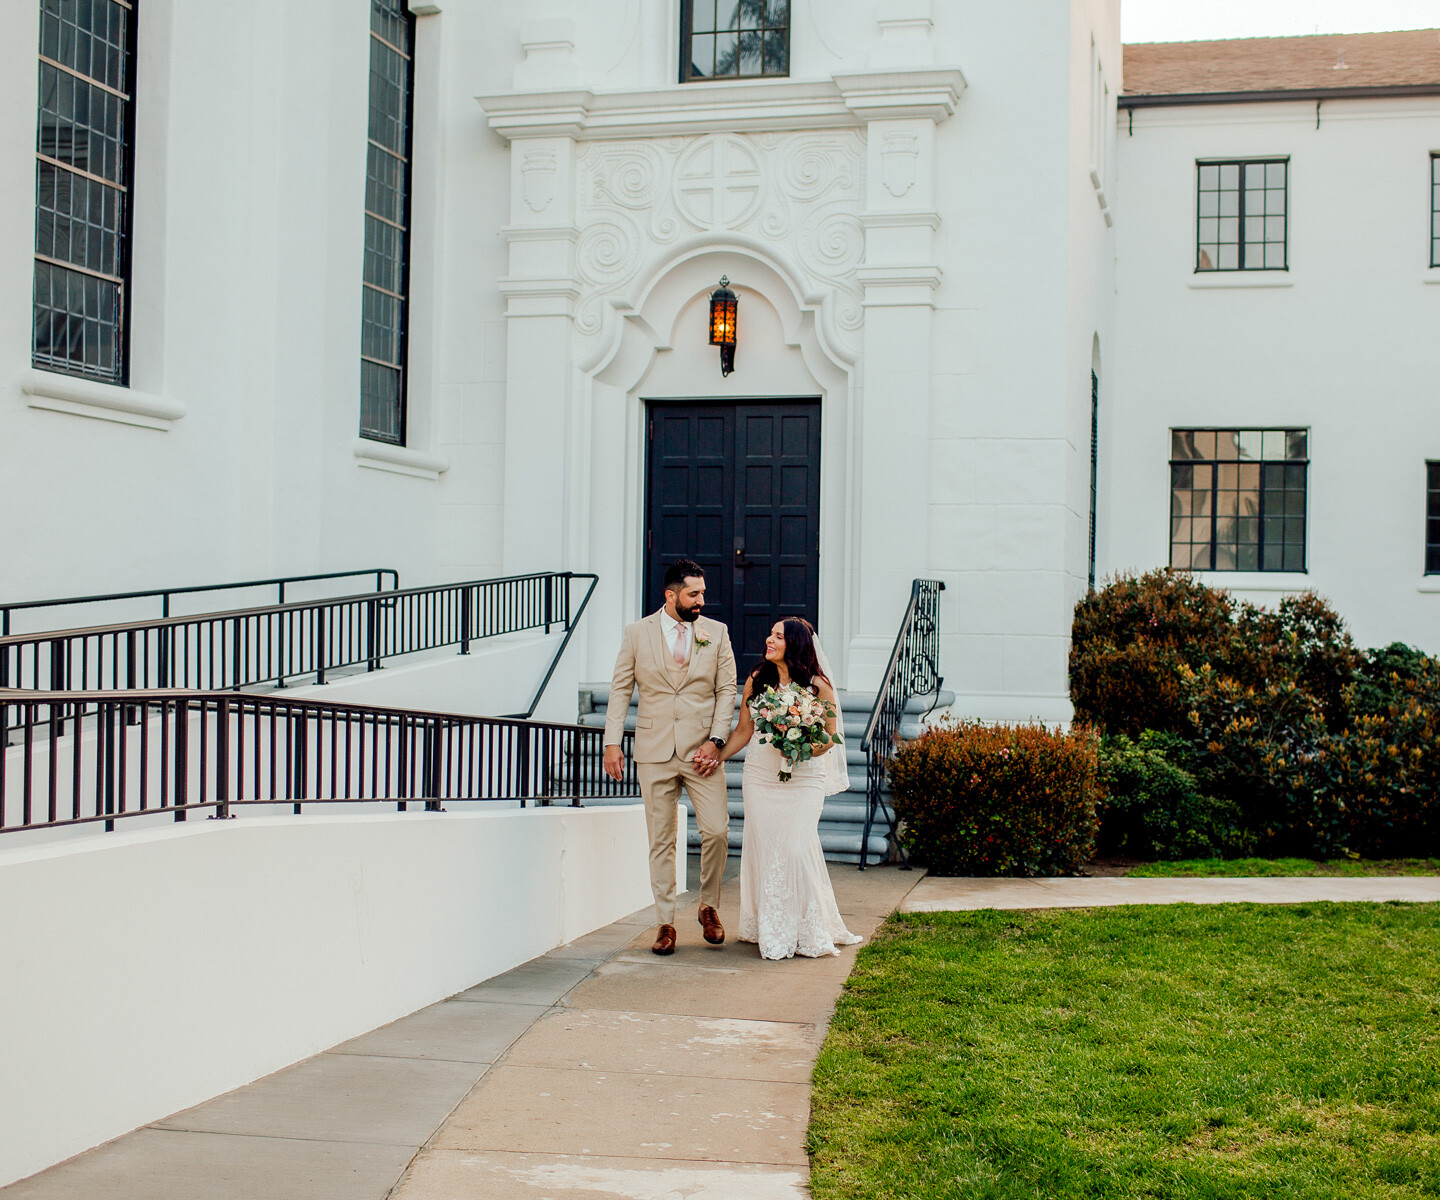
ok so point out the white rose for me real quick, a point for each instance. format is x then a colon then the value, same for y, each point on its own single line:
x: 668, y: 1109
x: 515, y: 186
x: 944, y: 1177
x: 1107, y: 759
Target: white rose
x: 793, y: 735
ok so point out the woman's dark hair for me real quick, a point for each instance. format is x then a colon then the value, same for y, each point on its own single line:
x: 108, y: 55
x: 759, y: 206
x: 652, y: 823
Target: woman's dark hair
x: 800, y: 658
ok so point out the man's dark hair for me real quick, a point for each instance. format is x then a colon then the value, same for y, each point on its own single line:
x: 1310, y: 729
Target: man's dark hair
x: 679, y: 571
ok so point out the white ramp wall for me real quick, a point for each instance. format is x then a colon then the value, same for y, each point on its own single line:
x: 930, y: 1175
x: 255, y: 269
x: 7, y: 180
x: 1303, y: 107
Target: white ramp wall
x: 141, y: 973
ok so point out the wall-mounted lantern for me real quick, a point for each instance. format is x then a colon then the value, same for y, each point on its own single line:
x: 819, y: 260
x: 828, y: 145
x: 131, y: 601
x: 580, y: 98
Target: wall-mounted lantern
x: 722, y: 324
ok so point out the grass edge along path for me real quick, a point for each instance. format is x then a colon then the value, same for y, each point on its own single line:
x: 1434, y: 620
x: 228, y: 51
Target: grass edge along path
x: 1176, y: 1051
x: 1257, y: 868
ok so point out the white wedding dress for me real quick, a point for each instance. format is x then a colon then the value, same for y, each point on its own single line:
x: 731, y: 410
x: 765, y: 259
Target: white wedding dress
x: 787, y: 905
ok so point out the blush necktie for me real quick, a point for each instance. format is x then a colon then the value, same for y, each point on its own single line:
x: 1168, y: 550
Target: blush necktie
x: 679, y: 650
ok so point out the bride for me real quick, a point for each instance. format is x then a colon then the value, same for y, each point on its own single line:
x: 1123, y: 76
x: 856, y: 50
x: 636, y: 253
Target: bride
x: 786, y: 902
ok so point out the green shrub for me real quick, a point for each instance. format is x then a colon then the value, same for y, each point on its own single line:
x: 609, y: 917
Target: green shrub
x: 1258, y: 747
x: 1390, y: 672
x: 1304, y: 641
x: 1257, y: 696
x: 1128, y: 642
x: 1383, y: 768
x: 1152, y: 808
x: 978, y: 799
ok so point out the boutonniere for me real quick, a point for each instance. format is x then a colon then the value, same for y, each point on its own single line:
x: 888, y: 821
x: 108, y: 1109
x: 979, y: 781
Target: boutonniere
x: 700, y: 640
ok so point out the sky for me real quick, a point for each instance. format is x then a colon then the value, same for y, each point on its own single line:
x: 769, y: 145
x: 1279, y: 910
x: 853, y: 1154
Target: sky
x: 1202, y: 20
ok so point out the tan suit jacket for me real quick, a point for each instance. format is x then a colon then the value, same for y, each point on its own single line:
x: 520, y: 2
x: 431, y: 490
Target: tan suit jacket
x: 677, y: 713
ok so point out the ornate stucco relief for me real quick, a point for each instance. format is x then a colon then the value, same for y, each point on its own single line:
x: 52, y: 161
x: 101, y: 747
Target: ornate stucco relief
x: 800, y: 193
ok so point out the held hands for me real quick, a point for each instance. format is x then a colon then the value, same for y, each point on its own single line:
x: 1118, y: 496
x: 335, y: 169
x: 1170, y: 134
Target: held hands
x: 706, y: 760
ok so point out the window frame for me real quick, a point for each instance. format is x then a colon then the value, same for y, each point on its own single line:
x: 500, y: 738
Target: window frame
x: 405, y: 226
x: 1260, y: 516
x: 122, y: 189
x: 1241, y: 268
x: 1435, y: 208
x: 686, y: 46
x: 1432, y: 517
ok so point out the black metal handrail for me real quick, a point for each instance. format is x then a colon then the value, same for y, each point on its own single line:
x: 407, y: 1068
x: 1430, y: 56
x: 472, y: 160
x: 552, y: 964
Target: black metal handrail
x: 85, y: 757
x: 913, y: 670
x: 276, y: 643
x: 572, y: 621
x: 164, y: 594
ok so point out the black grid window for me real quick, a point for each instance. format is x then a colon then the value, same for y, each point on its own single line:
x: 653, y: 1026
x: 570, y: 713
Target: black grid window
x: 385, y: 307
x: 1435, y: 210
x: 1432, y: 518
x: 83, y: 151
x: 1237, y: 499
x: 734, y: 39
x: 1241, y: 215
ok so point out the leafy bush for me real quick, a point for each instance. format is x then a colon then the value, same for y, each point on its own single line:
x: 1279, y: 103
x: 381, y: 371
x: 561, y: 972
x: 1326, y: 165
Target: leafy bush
x: 1303, y: 640
x: 1152, y: 807
x: 1258, y: 703
x: 978, y: 799
x: 1383, y: 768
x: 1258, y: 747
x: 1127, y: 645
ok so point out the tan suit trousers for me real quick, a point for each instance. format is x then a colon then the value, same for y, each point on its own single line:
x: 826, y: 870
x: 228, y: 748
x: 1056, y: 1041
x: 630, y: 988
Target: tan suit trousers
x: 660, y: 785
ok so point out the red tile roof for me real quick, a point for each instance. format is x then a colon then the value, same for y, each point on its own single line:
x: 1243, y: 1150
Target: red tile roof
x: 1327, y: 61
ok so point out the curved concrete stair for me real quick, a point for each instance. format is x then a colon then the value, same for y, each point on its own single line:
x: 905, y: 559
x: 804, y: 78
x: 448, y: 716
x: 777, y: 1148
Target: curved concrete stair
x: 842, y: 820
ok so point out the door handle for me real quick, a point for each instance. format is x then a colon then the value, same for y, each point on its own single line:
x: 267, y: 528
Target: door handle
x: 740, y: 559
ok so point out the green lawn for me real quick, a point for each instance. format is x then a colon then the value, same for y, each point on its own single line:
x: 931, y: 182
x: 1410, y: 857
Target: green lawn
x: 1234, y: 1051
x: 1252, y: 867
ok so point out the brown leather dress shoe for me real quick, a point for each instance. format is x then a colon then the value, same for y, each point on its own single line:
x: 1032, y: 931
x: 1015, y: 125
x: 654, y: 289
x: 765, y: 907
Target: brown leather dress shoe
x: 664, y: 941
x: 710, y: 923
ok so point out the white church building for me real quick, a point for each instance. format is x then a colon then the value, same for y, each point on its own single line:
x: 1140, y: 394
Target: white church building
x: 290, y: 288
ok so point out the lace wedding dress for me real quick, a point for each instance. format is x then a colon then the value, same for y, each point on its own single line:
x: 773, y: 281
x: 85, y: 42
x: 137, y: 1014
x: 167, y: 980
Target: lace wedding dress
x: 786, y: 902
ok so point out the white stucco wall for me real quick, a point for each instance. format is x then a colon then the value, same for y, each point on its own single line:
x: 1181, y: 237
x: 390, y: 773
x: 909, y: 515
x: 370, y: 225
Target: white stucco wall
x: 1342, y: 344
x: 141, y: 973
x: 248, y: 233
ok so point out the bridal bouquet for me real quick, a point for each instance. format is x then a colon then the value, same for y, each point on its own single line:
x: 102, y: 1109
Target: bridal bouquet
x: 793, y: 719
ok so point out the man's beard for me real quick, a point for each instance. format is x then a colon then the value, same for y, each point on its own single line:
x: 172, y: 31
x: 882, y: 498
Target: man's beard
x: 685, y: 614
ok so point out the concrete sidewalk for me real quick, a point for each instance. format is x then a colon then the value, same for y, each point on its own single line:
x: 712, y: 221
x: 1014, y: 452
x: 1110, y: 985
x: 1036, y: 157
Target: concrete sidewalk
x: 598, y: 1070
x: 957, y: 895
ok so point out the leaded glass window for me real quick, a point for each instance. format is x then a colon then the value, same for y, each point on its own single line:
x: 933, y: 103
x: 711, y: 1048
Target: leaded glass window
x: 1241, y: 215
x: 385, y: 307
x: 1237, y: 499
x: 84, y: 139
x: 734, y: 39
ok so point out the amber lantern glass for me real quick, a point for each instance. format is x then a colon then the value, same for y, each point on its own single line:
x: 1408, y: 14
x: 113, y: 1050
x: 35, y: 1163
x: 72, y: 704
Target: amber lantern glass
x: 722, y: 324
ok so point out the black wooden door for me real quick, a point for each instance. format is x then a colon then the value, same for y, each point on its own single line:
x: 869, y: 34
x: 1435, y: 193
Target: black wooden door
x: 736, y: 487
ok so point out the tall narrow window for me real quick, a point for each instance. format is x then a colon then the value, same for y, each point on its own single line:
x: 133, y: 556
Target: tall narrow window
x: 1241, y: 215
x: 1094, y: 467
x: 1432, y: 518
x: 734, y: 39
x: 1435, y: 210
x: 83, y: 151
x: 387, y: 225
x: 1237, y: 499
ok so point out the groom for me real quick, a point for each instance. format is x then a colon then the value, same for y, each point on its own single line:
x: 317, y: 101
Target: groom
x: 684, y: 667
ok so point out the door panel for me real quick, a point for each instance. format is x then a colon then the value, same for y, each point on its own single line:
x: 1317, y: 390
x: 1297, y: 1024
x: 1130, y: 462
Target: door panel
x: 737, y: 488
x: 689, y: 505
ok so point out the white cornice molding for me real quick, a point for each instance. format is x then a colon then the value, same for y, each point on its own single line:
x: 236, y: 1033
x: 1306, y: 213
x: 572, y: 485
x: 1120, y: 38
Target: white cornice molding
x: 900, y: 92
x: 777, y: 105
x: 401, y: 460
x: 100, y: 401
